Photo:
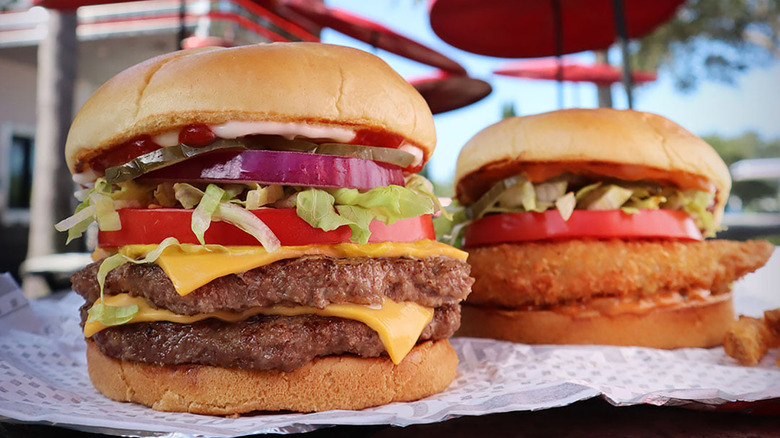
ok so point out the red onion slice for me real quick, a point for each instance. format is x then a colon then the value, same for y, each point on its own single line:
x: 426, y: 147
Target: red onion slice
x: 286, y: 168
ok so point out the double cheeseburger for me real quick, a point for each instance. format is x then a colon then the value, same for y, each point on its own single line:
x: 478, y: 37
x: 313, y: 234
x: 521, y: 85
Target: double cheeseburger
x: 264, y: 242
x: 587, y: 227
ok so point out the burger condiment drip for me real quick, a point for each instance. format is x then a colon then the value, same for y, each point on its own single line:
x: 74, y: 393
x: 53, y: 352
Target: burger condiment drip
x: 379, y: 138
x: 123, y: 153
x: 197, y: 134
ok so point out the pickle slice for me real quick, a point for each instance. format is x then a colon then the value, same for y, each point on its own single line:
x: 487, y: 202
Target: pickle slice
x: 278, y: 143
x: 163, y: 157
x: 386, y: 155
x: 475, y: 210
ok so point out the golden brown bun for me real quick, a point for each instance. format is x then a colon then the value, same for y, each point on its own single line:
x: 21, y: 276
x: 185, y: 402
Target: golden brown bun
x: 345, y: 382
x: 598, y: 136
x: 284, y: 82
x: 699, y: 324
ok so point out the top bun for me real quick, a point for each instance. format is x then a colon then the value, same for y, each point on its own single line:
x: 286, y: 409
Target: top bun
x: 592, y: 142
x: 312, y: 83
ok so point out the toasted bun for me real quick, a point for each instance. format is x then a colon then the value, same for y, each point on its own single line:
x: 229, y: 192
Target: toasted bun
x: 700, y: 324
x: 655, y: 148
x: 310, y: 83
x: 345, y: 382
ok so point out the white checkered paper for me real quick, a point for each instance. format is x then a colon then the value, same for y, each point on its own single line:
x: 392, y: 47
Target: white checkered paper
x: 43, y: 376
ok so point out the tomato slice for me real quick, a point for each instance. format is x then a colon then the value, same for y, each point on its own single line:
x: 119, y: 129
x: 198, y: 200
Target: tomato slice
x: 601, y: 224
x: 153, y: 225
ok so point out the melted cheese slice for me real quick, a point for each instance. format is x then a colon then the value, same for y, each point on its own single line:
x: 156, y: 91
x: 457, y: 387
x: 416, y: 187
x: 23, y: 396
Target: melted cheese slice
x: 192, y: 266
x: 398, y: 324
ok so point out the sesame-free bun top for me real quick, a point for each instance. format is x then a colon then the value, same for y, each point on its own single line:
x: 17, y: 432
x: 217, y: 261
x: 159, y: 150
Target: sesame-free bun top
x: 317, y: 84
x: 623, y: 144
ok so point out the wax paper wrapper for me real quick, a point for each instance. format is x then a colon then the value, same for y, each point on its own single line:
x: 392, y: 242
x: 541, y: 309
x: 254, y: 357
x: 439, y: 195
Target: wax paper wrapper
x: 43, y: 376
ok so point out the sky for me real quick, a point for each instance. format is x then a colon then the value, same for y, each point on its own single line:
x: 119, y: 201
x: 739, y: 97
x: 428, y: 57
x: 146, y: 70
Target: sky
x: 753, y: 104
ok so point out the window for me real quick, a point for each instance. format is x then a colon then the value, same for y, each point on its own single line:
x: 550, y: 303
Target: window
x: 17, y: 155
x: 21, y: 171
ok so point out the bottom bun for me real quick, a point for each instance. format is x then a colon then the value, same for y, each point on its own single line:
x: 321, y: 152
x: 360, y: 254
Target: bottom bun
x: 698, y: 324
x: 344, y: 382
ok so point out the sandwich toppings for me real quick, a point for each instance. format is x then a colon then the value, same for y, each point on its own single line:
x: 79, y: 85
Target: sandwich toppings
x: 145, y: 152
x: 570, y: 206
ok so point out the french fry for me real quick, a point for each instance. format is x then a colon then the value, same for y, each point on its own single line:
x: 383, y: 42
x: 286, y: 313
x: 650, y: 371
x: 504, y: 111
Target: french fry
x: 748, y: 339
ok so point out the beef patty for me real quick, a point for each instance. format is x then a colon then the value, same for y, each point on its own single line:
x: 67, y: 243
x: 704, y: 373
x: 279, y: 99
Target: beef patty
x: 258, y: 343
x: 307, y: 281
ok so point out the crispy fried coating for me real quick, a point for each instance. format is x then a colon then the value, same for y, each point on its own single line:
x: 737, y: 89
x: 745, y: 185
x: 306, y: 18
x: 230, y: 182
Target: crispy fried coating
x: 542, y: 273
x: 748, y: 339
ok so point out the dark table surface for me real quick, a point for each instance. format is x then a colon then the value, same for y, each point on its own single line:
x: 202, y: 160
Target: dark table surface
x: 590, y: 418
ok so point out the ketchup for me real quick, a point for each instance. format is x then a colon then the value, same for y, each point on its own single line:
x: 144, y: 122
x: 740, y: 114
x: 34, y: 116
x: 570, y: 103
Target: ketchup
x: 196, y: 134
x: 383, y: 139
x: 123, y: 153
x: 375, y: 137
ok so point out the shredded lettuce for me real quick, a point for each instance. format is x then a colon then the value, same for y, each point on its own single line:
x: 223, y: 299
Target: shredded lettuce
x: 188, y: 195
x: 328, y: 210
x: 316, y: 207
x: 422, y: 186
x: 583, y: 192
x: 97, y: 205
x: 105, y: 214
x: 214, y: 205
x: 201, y: 216
x: 565, y: 205
x: 116, y: 315
x: 696, y: 203
x: 516, y: 193
x: 360, y: 218
x: 111, y: 315
x: 607, y: 197
x: 450, y: 231
x: 259, y: 196
x: 164, y: 195
x: 550, y: 191
x: 521, y: 195
x: 77, y: 224
x: 387, y: 204
x: 249, y: 223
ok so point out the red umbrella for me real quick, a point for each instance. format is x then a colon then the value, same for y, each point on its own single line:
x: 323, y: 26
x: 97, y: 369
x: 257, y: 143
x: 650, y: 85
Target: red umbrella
x: 72, y: 5
x: 370, y: 32
x: 445, y: 92
x: 527, y: 29
x: 600, y: 74
x: 535, y: 28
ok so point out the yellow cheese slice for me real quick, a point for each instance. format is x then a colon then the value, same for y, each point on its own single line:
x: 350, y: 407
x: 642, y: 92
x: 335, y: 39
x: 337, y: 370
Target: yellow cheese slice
x: 398, y: 324
x: 192, y: 266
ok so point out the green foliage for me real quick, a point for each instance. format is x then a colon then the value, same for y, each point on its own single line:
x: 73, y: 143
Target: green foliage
x: 508, y: 110
x: 713, y: 39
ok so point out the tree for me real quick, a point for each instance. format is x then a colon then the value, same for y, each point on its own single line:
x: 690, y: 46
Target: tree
x: 713, y: 39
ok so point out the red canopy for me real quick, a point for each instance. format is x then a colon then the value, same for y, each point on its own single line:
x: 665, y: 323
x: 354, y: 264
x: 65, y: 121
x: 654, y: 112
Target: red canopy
x: 72, y: 5
x: 445, y: 92
x: 600, y: 74
x: 526, y: 29
x: 372, y: 33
